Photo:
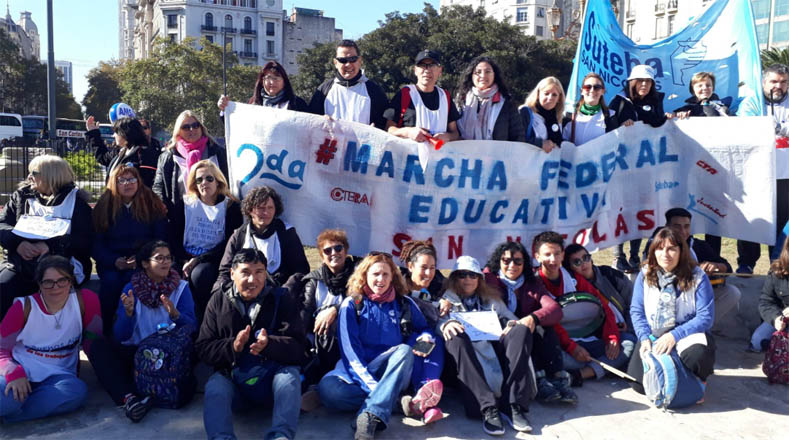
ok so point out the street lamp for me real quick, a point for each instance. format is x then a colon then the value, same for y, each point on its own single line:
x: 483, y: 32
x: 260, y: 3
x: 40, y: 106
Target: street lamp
x: 554, y: 18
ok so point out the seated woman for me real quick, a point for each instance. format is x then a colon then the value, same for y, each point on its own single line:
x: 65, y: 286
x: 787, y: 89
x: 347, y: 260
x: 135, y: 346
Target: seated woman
x: 672, y: 302
x: 48, y: 190
x: 527, y: 298
x: 265, y: 231
x: 479, y: 363
x: 155, y: 295
x: 127, y: 216
x: 376, y: 349
x: 774, y: 301
x: 132, y: 147
x: 206, y: 218
x: 40, y: 382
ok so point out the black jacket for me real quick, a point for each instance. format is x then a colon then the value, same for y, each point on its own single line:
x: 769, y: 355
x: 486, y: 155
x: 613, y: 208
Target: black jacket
x: 716, y: 106
x: 648, y: 110
x: 165, y: 185
x: 774, y: 298
x: 78, y: 243
x: 308, y: 306
x: 509, y: 125
x: 293, y: 258
x: 143, y: 157
x: 378, y: 101
x: 222, y: 322
x: 177, y: 223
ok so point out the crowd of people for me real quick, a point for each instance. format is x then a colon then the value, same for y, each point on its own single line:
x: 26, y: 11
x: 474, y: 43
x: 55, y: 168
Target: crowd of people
x: 184, y: 264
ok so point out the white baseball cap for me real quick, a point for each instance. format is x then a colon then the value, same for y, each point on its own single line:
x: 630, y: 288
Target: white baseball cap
x: 642, y: 71
x: 465, y: 262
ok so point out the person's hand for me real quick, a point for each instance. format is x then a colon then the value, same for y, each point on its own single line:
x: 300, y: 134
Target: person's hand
x: 188, y: 266
x: 42, y: 247
x: 452, y: 329
x: 612, y: 350
x: 683, y: 115
x: 785, y: 312
x: 779, y: 323
x: 646, y: 347
x: 628, y: 123
x: 20, y: 389
x: 665, y: 343
x: 417, y: 134
x: 446, y: 137
x: 444, y: 307
x: 548, y: 145
x: 91, y: 124
x: 710, y: 268
x: 324, y: 320
x: 241, y: 339
x: 670, y: 115
x: 128, y: 302
x: 28, y: 250
x: 172, y: 311
x: 260, y: 343
x: 528, y: 321
x: 580, y: 354
x: 426, y: 338
x: 222, y: 103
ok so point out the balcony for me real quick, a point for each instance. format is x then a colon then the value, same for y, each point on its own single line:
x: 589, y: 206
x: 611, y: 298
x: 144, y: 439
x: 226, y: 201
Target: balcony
x: 630, y: 15
x: 248, y: 32
x: 172, y: 25
x: 247, y: 54
x: 229, y: 30
x: 207, y: 28
x: 660, y: 8
x: 671, y: 5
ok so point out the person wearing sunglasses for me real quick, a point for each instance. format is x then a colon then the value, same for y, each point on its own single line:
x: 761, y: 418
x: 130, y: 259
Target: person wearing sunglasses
x: 542, y: 114
x: 190, y: 144
x: 485, y: 380
x: 132, y: 146
x: 350, y: 95
x: 423, y: 111
x: 127, y: 215
x: 155, y: 295
x: 200, y: 226
x: 147, y: 127
x: 508, y: 272
x: 40, y: 341
x: 591, y: 118
x: 272, y: 89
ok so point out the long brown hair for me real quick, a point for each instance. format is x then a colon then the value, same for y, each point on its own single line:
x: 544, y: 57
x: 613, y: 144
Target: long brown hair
x: 685, y: 266
x: 780, y: 267
x: 146, y: 206
x: 603, y: 107
x: 453, y: 283
x: 358, y: 280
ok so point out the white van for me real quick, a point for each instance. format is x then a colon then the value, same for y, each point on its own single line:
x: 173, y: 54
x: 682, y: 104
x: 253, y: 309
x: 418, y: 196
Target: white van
x: 10, y: 125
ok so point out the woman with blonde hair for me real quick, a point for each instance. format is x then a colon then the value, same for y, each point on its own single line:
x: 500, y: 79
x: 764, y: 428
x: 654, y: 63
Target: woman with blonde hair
x: 378, y: 326
x: 127, y: 216
x: 201, y: 223
x: 47, y: 215
x: 190, y: 144
x: 542, y: 114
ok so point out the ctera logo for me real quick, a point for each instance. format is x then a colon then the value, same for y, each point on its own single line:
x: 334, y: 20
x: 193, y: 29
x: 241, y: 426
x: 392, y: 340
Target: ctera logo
x: 290, y: 176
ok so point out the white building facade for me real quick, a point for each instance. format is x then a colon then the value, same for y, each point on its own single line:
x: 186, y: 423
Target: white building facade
x: 302, y: 29
x: 24, y: 33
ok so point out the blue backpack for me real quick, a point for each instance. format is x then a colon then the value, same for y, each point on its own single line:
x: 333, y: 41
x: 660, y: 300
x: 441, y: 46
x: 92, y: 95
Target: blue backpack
x: 668, y: 383
x: 163, y: 367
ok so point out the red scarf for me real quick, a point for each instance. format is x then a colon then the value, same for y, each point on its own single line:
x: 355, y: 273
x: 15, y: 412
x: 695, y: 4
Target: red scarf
x: 387, y: 296
x: 148, y: 291
x: 192, y: 152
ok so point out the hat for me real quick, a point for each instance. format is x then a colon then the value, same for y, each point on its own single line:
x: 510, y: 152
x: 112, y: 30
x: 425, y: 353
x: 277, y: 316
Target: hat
x: 427, y: 54
x: 465, y: 262
x: 642, y: 71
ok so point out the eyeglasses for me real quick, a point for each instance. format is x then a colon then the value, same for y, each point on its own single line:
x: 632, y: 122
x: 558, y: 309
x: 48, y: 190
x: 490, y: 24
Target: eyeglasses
x: 60, y: 282
x: 344, y: 60
x: 192, y: 126
x: 208, y: 179
x: 336, y: 249
x: 162, y: 258
x: 125, y: 181
x: 425, y: 66
x: 516, y: 261
x: 463, y: 274
x: 376, y: 253
x: 589, y: 87
x: 272, y: 78
x: 577, y: 262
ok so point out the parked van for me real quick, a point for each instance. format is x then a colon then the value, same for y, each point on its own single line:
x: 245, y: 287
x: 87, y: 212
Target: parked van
x: 10, y: 125
x: 34, y: 127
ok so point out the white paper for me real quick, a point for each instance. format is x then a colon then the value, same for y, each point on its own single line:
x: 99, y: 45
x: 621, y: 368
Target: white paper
x: 480, y: 326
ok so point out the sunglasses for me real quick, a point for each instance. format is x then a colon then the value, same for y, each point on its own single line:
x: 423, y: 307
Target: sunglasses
x: 427, y: 65
x: 60, y: 282
x: 463, y: 274
x: 208, y: 179
x: 588, y: 87
x: 162, y: 258
x: 344, y: 60
x: 35, y: 173
x: 336, y: 249
x: 125, y: 181
x: 516, y: 261
x: 577, y: 262
x: 192, y: 126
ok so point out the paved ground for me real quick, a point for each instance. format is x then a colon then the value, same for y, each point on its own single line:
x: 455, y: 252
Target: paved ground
x: 740, y: 404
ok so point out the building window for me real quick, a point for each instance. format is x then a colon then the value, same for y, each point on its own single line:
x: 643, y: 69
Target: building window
x: 247, y: 23
x: 243, y: 3
x: 522, y: 15
x: 658, y: 25
x: 541, y: 12
x: 247, y: 45
x: 781, y: 8
x: 538, y: 31
x: 630, y: 30
x: 761, y: 9
x: 780, y: 31
x: 228, y: 21
x: 670, y: 25
x: 270, y: 48
x: 270, y: 28
x: 210, y: 38
x: 253, y: 4
x: 209, y: 20
x: 172, y: 21
x: 233, y: 2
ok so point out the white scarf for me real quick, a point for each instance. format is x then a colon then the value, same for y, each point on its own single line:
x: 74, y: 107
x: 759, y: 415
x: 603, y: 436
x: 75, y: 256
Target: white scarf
x: 512, y: 286
x: 477, y: 113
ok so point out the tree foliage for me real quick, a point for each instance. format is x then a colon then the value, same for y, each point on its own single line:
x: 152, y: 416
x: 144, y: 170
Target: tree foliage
x: 459, y: 33
x: 775, y: 56
x: 103, y: 88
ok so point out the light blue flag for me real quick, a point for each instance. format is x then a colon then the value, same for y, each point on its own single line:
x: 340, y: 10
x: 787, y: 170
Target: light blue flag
x: 722, y: 41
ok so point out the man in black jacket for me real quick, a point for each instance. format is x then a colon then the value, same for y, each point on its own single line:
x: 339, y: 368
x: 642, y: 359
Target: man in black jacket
x: 253, y: 337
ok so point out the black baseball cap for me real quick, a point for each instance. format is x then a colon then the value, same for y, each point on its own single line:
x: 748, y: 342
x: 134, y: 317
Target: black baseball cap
x: 425, y: 54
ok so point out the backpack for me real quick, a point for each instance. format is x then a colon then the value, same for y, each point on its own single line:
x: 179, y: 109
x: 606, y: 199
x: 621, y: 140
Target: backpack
x: 776, y: 358
x: 668, y: 383
x: 163, y: 367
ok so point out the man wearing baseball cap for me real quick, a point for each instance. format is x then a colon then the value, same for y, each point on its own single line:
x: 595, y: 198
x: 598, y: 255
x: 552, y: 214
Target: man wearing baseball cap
x: 423, y: 110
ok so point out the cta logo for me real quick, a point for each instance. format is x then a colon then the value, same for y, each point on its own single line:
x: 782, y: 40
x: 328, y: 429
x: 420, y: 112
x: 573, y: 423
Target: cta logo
x: 343, y: 195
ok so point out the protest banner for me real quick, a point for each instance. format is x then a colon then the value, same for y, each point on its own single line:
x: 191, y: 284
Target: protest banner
x: 472, y: 195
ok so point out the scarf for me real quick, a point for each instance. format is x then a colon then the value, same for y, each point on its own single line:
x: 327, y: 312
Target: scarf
x: 590, y: 110
x: 550, y: 123
x: 148, y: 291
x: 666, y: 316
x: 249, y: 309
x: 380, y: 298
x: 349, y: 82
x: 477, y: 111
x: 271, y: 101
x: 512, y: 286
x: 276, y: 225
x: 192, y: 152
x: 337, y: 283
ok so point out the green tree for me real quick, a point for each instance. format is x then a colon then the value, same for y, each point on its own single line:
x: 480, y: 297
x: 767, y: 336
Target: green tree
x: 775, y: 56
x: 103, y: 88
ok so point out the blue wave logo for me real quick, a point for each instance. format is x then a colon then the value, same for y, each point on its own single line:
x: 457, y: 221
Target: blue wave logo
x: 290, y: 176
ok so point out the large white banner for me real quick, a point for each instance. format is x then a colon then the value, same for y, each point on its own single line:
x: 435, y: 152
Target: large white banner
x: 472, y: 195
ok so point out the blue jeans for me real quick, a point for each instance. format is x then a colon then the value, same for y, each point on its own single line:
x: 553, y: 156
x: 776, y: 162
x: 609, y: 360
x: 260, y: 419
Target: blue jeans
x: 222, y: 397
x: 56, y: 394
x: 596, y: 350
x: 392, y: 369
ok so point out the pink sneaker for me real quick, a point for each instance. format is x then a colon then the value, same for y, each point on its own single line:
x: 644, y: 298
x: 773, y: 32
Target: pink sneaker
x: 428, y: 396
x: 432, y: 414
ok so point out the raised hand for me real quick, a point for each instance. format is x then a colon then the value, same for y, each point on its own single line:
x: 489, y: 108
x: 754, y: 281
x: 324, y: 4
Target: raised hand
x: 128, y: 302
x: 170, y: 307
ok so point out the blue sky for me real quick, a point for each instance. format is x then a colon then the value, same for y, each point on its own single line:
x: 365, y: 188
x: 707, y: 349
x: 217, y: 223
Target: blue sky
x: 86, y: 31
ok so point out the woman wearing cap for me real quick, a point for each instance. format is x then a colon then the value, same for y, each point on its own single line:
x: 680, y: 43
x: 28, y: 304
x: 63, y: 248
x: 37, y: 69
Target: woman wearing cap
x: 542, y: 114
x: 272, y: 89
x: 478, y: 365
x: 132, y: 147
x: 485, y: 106
x: 592, y: 118
x: 377, y: 327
